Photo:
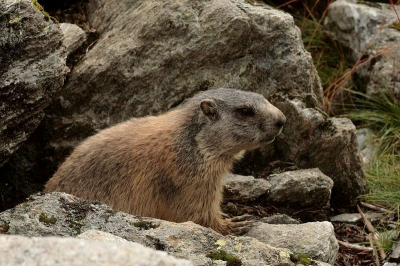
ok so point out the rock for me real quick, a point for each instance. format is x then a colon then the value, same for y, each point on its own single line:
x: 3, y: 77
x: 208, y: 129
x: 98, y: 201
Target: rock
x: 32, y: 69
x: 366, y: 146
x: 243, y: 188
x: 74, y: 37
x: 394, y: 257
x: 279, y: 219
x: 369, y: 30
x: 316, y: 239
x: 356, y: 217
x: 101, y: 236
x: 60, y: 214
x: 301, y: 188
x: 20, y: 250
x: 311, y: 141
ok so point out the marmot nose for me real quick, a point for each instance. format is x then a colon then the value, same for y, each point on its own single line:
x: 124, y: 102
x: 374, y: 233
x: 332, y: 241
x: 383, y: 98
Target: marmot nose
x: 280, y: 122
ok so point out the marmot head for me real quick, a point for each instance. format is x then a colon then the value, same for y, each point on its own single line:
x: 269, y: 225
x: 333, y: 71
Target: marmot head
x: 234, y: 120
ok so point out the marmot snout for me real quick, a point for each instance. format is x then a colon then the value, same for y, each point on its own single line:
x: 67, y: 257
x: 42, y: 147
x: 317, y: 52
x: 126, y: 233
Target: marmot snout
x: 170, y: 166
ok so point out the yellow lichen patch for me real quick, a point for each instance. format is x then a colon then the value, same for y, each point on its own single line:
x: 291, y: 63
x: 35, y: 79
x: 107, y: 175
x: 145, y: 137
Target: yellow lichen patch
x: 284, y: 255
x: 238, y: 247
x: 14, y: 20
x: 220, y: 243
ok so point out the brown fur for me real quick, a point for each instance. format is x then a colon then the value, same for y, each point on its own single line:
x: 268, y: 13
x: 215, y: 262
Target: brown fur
x: 170, y: 166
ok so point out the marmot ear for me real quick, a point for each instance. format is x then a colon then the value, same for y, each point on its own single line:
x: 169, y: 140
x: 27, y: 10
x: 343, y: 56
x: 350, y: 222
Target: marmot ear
x: 209, y: 108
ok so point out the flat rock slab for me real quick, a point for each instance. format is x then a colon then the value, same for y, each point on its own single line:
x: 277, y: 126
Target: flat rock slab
x: 61, y: 214
x: 20, y: 250
x: 356, y: 217
x: 315, y: 239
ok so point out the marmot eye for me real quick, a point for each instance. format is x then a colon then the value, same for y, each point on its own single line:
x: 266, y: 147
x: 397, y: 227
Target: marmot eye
x: 245, y: 111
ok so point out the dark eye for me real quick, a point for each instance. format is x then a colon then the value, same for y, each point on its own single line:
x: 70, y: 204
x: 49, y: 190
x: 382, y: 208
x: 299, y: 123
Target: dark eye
x: 245, y: 111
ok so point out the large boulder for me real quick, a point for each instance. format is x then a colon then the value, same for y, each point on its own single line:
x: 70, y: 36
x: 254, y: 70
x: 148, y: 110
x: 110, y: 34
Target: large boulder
x: 32, y: 69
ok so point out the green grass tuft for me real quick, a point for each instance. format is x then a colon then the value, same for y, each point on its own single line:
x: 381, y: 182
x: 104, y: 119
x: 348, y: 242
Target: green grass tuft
x: 381, y: 113
x: 383, y: 181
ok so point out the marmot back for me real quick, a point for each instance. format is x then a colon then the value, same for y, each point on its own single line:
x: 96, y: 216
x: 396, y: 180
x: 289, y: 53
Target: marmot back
x: 170, y: 166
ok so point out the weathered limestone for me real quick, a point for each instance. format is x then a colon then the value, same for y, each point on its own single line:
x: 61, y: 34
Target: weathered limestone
x: 315, y: 239
x: 20, y: 250
x: 60, y: 214
x: 32, y: 69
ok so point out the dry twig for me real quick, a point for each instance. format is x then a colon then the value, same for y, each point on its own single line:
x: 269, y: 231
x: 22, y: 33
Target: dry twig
x: 371, y: 229
x: 373, y: 207
x: 355, y: 247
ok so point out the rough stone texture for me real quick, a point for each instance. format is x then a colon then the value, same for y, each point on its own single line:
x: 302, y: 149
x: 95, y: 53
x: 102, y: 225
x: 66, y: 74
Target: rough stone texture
x: 315, y: 239
x: 356, y: 217
x: 279, y: 219
x: 242, y: 188
x: 366, y: 145
x: 19, y: 250
x: 100, y: 236
x: 368, y: 30
x: 60, y: 214
x: 327, y: 144
x: 73, y: 38
x: 304, y: 188
x: 32, y: 69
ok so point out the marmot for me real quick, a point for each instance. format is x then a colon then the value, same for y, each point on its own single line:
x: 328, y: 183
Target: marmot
x: 170, y: 166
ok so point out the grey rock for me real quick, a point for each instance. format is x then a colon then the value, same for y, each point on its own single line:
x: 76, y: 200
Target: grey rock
x: 73, y: 37
x: 367, y: 29
x: 356, y: 217
x: 394, y: 257
x: 242, y: 188
x: 366, y: 145
x: 315, y: 239
x: 60, y: 214
x: 279, y: 219
x: 32, y: 69
x: 20, y: 250
x: 101, y: 236
x: 311, y: 141
x: 304, y: 188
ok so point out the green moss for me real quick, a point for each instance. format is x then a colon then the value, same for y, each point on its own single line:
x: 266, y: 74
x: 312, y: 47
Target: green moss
x: 46, y: 15
x: 76, y: 224
x: 224, y: 256
x: 46, y: 219
x: 303, y: 259
x: 144, y: 225
x: 4, y: 228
